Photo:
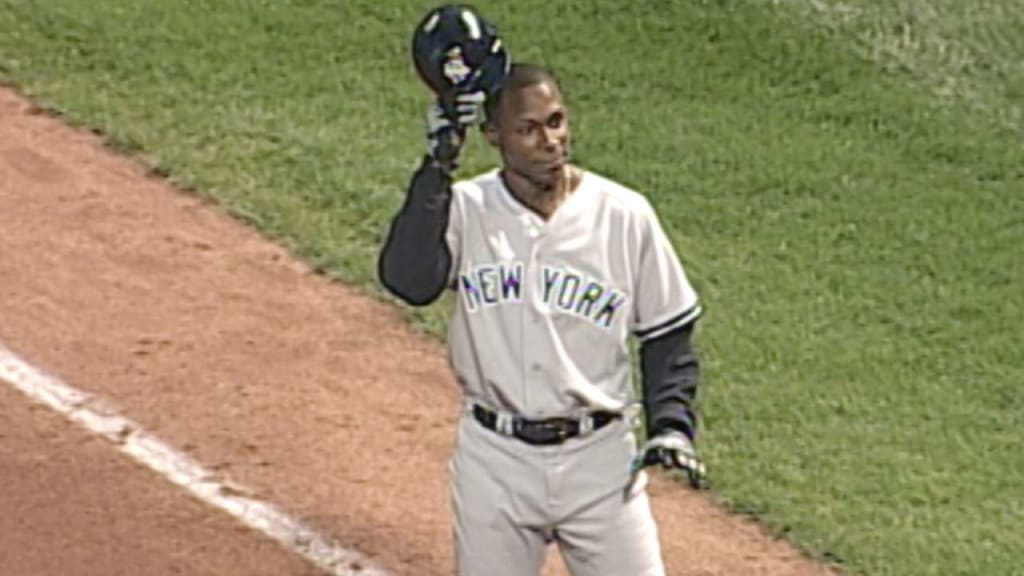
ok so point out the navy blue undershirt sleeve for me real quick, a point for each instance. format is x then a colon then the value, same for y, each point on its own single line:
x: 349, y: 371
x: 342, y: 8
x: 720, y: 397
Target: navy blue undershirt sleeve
x: 671, y: 373
x: 415, y: 260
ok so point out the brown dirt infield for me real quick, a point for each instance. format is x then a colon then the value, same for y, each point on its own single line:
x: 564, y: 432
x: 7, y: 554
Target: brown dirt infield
x: 318, y: 398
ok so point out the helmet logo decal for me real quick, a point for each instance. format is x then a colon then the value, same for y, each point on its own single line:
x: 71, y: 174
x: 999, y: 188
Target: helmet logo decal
x: 455, y: 68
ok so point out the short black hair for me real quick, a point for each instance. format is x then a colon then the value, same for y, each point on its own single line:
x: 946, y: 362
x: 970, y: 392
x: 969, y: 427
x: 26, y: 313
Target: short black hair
x: 520, y: 76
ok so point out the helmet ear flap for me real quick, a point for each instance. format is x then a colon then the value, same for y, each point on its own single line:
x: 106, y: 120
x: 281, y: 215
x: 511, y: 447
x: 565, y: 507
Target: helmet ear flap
x: 455, y: 50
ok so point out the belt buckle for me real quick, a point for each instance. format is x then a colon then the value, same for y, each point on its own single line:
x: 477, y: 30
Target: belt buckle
x: 545, y: 432
x: 560, y: 428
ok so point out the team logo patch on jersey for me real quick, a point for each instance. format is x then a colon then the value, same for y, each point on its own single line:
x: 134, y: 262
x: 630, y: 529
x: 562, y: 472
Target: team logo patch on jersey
x: 569, y: 291
x: 492, y: 284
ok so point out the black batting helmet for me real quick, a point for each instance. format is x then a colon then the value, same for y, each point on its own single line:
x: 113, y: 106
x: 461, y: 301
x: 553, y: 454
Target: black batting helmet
x: 456, y: 50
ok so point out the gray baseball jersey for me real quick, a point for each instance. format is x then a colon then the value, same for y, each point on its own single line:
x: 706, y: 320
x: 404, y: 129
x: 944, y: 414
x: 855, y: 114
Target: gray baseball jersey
x: 545, y: 308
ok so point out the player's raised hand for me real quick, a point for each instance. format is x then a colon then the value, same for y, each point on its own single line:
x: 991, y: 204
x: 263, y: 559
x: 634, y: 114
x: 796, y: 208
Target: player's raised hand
x: 469, y: 108
x: 672, y: 450
x: 446, y: 132
x: 444, y: 140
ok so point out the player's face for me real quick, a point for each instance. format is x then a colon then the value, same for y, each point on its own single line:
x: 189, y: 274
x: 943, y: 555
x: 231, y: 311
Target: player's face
x: 532, y: 133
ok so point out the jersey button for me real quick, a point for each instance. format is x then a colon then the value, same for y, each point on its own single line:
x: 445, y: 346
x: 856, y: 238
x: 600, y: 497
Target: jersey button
x: 535, y: 367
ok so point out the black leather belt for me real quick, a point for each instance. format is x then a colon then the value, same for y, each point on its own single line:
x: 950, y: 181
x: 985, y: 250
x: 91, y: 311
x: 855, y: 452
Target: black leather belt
x: 545, y: 432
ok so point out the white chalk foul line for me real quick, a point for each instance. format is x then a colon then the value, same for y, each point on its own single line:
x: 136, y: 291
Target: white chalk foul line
x: 89, y: 412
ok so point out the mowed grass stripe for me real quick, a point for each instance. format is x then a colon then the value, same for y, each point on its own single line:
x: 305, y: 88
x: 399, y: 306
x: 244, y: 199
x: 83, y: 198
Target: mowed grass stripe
x: 854, y: 233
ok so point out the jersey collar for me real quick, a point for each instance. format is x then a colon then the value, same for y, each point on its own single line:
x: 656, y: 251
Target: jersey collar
x: 524, y: 212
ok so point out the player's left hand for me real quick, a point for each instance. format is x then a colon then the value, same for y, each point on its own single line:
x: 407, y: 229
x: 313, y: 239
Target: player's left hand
x: 672, y: 450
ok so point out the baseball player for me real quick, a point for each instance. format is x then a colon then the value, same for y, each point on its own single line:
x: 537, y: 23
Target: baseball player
x: 554, y: 268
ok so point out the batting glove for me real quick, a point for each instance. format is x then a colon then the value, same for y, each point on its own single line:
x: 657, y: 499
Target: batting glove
x: 672, y: 450
x: 446, y: 135
x: 469, y: 108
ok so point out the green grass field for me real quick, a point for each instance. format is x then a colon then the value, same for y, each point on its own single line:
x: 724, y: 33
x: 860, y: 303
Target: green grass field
x: 845, y: 185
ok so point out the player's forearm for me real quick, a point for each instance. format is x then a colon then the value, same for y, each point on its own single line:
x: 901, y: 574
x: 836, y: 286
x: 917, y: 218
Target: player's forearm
x: 671, y: 373
x: 415, y: 260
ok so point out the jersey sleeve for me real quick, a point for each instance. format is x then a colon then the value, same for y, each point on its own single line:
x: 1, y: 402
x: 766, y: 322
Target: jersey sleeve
x: 663, y: 299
